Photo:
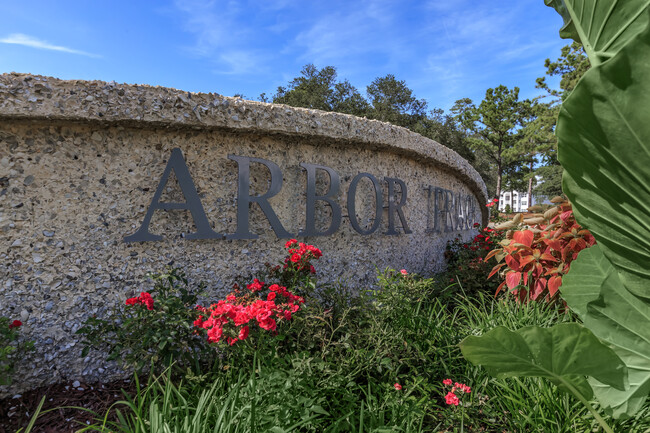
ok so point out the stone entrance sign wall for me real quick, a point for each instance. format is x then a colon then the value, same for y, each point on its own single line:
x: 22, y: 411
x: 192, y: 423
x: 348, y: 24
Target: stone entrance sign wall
x: 88, y: 169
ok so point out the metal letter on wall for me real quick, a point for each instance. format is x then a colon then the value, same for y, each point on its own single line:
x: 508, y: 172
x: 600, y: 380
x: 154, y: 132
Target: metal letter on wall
x: 192, y: 203
x: 352, y: 213
x: 396, y: 207
x: 330, y: 195
x: 244, y: 198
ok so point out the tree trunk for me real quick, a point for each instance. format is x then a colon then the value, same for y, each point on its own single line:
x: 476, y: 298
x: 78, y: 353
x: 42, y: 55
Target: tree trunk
x: 499, y: 182
x: 530, y: 186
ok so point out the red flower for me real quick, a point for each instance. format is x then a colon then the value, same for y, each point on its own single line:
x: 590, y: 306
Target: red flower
x: 144, y: 299
x: 451, y: 398
x: 243, y: 333
x: 256, y: 285
x: 15, y: 324
x: 398, y: 386
x: 404, y: 272
x: 447, y: 382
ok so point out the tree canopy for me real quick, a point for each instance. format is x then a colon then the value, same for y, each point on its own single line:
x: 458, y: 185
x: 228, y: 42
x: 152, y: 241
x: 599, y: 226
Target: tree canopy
x: 507, y: 140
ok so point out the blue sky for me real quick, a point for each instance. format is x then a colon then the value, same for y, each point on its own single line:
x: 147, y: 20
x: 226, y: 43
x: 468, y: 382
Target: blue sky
x: 444, y: 49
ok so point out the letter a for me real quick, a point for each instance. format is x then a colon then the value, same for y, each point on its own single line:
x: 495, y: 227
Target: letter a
x: 192, y: 203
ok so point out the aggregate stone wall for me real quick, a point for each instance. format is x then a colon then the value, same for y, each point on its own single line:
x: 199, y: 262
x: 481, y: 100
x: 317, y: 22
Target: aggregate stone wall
x: 80, y: 164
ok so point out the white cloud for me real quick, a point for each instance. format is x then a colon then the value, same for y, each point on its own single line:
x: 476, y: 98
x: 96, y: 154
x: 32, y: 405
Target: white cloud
x: 221, y: 35
x: 29, y: 41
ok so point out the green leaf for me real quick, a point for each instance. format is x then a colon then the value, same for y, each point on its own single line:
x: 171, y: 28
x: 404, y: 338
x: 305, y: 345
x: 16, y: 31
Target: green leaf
x: 603, y: 27
x: 617, y: 317
x: 564, y: 354
x: 583, y: 283
x: 604, y: 146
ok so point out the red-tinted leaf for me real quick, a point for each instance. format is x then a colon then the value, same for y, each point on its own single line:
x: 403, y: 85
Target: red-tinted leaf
x: 499, y: 289
x: 525, y: 278
x: 547, y: 256
x: 564, y: 216
x: 512, y: 262
x: 524, y: 237
x: 522, y: 294
x: 578, y: 244
x: 554, y: 284
x: 492, y: 254
x: 525, y: 260
x: 551, y: 271
x: 553, y: 243
x: 540, y: 285
x: 496, y: 269
x: 513, y: 279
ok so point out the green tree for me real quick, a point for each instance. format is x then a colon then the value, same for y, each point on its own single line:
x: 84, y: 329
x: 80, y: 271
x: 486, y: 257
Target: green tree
x: 493, y: 125
x: 319, y: 89
x: 570, y: 67
x: 448, y: 131
x: 392, y: 101
x: 389, y: 100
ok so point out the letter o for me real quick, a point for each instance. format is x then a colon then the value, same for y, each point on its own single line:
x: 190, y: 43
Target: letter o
x: 352, y: 211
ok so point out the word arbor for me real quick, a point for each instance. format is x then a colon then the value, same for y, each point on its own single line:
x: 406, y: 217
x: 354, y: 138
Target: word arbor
x: 244, y: 199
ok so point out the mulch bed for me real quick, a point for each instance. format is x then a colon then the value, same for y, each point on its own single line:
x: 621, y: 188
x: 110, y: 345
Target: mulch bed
x: 15, y: 413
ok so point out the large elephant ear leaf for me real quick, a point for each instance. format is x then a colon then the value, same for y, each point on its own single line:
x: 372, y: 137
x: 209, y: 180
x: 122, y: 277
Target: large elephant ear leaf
x: 594, y: 291
x: 564, y: 354
x: 604, y: 147
x: 603, y: 27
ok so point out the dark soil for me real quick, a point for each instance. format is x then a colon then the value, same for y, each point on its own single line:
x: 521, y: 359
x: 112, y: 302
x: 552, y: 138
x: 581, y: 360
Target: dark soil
x: 15, y: 413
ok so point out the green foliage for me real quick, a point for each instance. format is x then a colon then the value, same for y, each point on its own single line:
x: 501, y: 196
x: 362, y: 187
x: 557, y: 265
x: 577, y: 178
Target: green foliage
x: 320, y: 90
x: 12, y: 348
x: 564, y: 354
x: 335, y: 368
x: 466, y: 265
x: 603, y: 123
x: 140, y: 337
x: 392, y: 101
x: 606, y: 163
x: 600, y: 115
x: 595, y: 291
x: 603, y: 28
x: 492, y: 125
x: 570, y: 67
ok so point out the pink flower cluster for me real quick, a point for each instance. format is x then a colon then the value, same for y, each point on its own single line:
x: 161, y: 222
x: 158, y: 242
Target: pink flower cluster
x: 144, y: 299
x: 451, y: 398
x: 300, y: 255
x: 234, y: 314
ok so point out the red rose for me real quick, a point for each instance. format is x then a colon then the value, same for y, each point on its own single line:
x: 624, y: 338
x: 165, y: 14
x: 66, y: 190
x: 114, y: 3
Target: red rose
x: 15, y: 324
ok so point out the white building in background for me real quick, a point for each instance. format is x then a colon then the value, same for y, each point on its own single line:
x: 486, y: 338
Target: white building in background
x: 517, y: 200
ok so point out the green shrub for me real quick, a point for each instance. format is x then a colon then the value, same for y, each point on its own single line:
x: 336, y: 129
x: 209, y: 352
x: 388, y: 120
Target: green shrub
x: 154, y: 328
x: 466, y: 265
